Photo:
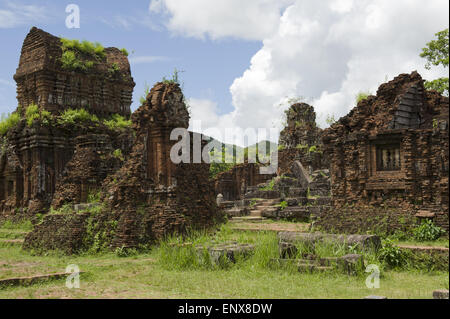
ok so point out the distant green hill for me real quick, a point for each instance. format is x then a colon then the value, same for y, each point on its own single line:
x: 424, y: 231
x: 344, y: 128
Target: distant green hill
x: 235, y: 151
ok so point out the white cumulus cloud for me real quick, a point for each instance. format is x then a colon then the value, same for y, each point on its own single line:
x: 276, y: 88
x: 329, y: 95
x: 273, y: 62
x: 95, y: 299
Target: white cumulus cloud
x: 248, y: 19
x: 325, y: 51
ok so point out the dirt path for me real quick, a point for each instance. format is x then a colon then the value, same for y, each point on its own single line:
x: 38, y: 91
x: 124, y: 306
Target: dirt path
x: 270, y: 227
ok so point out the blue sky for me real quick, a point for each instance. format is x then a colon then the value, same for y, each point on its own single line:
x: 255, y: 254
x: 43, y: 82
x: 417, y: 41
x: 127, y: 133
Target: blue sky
x: 210, y: 66
x: 244, y: 59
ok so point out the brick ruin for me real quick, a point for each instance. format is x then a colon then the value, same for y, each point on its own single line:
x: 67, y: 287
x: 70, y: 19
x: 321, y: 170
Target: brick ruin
x: 302, y: 181
x: 148, y: 197
x: 300, y: 140
x: 233, y: 184
x: 383, y: 167
x: 42, y: 80
x: 389, y: 160
x: 37, y: 159
x: 54, y: 164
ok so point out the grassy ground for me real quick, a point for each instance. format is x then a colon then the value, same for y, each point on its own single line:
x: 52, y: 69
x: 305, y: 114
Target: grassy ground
x: 169, y: 272
x: 442, y: 242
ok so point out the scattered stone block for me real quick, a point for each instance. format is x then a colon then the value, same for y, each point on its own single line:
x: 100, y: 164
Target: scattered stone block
x: 28, y: 281
x: 375, y: 297
x: 351, y: 263
x: 364, y: 241
x: 440, y: 294
x: 229, y: 251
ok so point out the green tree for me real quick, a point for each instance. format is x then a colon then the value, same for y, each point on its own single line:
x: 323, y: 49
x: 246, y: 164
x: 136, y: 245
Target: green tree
x: 436, y: 53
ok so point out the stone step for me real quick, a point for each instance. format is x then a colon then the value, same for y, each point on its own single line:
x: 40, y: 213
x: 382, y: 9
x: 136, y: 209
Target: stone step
x: 27, y: 281
x: 255, y: 212
x: 248, y: 219
x: 267, y: 202
x: 308, y: 265
x: 263, y: 207
x: 319, y: 201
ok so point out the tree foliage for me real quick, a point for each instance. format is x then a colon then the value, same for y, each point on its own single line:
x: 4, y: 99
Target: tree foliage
x: 436, y: 53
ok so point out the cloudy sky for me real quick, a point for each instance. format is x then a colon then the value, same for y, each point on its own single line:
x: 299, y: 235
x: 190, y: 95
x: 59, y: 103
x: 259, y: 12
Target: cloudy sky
x: 243, y: 60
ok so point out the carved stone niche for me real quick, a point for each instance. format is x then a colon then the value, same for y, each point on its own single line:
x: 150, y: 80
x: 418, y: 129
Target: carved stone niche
x: 386, y: 155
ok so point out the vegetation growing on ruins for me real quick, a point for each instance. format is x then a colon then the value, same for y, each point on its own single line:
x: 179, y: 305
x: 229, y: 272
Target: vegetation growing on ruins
x: 437, y: 54
x: 74, y: 116
x: 362, y: 96
x: 117, y: 122
x: 175, y: 78
x: 270, y: 185
x: 118, y: 154
x: 94, y: 196
x: 114, y: 69
x: 392, y: 255
x: 33, y: 113
x: 427, y: 231
x: 143, y: 98
x: 330, y: 120
x: 283, y: 205
x: 8, y: 121
x: 124, y: 51
x: 82, y: 55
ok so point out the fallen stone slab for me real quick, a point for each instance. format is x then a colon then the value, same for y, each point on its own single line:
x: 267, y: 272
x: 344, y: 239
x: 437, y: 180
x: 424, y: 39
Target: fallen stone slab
x: 375, y: 297
x: 237, y: 212
x: 302, y: 265
x: 27, y: 281
x: 296, y: 213
x: 440, y: 294
x: 351, y: 264
x: 365, y: 242
x: 226, y: 251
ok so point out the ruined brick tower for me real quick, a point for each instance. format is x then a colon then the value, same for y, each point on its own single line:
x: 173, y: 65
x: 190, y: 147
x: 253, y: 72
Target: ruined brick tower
x: 105, y: 89
x: 153, y: 196
x: 34, y: 156
x: 300, y: 140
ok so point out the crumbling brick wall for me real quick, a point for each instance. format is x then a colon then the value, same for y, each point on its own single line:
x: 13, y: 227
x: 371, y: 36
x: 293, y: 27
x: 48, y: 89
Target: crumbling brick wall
x: 233, y: 184
x: 96, y: 156
x: 300, y: 140
x: 390, y: 151
x: 150, y: 189
x: 58, y: 232
x: 150, y: 196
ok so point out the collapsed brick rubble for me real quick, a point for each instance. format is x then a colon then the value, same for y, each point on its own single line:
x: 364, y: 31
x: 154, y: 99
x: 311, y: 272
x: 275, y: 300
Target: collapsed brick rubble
x: 389, y: 160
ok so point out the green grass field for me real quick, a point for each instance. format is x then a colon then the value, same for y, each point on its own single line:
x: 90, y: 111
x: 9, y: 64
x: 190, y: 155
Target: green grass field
x: 170, y: 272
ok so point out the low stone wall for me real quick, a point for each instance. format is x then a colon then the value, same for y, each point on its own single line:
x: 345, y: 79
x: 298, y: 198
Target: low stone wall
x: 430, y: 258
x: 381, y: 220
